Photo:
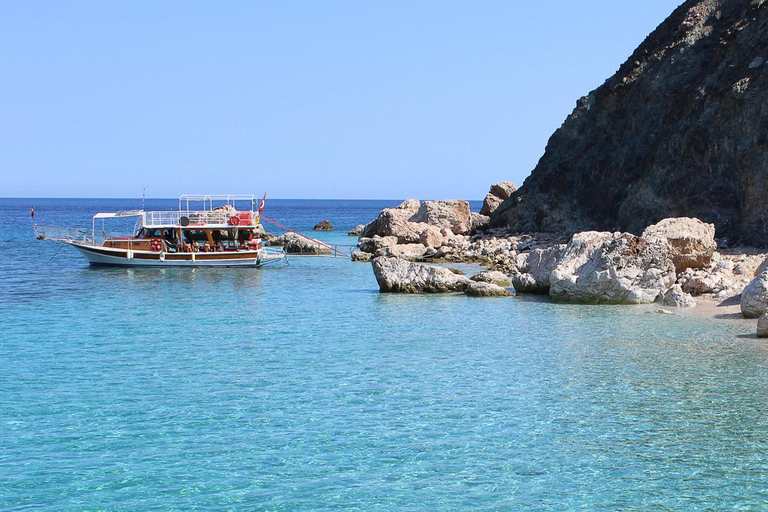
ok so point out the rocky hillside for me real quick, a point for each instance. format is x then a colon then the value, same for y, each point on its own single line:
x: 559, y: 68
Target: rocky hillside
x: 680, y: 130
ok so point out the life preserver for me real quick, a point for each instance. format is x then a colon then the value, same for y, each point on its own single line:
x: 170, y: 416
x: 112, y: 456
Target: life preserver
x: 156, y: 245
x: 234, y: 220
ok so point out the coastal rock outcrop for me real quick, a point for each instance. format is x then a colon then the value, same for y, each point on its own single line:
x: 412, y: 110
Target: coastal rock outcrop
x: 323, y: 225
x: 691, y: 241
x: 762, y: 326
x: 679, y: 130
x: 498, y: 193
x: 481, y: 289
x: 534, y: 269
x: 361, y: 256
x: 296, y: 244
x: 616, y: 268
x: 399, y: 275
x: 492, y: 277
x: 409, y: 221
x: 754, y: 298
x: 357, y: 230
x: 450, y: 214
x: 675, y: 297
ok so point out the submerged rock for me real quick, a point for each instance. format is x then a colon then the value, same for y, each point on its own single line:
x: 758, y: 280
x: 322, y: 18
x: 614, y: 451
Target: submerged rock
x: 402, y: 276
x: 493, y: 277
x: 615, y: 268
x: 754, y: 298
x: 481, y: 289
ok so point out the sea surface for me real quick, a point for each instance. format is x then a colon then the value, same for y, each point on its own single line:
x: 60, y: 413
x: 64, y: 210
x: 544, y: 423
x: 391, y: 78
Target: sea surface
x: 302, y: 388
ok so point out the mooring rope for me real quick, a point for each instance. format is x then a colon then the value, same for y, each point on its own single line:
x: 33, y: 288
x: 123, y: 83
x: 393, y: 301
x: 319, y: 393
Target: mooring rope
x: 303, y: 236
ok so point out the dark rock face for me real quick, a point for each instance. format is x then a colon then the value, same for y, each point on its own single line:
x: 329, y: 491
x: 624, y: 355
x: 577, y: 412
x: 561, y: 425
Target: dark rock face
x: 680, y: 130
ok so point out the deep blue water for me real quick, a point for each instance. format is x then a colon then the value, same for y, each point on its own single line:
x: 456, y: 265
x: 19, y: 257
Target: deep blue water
x: 302, y: 388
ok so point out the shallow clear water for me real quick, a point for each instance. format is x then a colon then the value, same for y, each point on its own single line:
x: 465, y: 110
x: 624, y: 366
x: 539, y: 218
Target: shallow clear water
x: 303, y: 388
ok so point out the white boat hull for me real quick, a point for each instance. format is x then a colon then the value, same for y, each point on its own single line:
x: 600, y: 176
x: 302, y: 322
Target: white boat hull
x: 126, y: 258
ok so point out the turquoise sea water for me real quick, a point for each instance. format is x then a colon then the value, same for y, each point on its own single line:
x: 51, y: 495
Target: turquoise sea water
x: 302, y: 388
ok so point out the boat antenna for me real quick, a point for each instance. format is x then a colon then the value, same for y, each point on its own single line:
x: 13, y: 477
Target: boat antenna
x: 143, y: 195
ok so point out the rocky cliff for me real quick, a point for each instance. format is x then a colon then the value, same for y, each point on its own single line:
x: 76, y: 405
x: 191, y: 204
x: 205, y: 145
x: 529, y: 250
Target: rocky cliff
x: 680, y: 130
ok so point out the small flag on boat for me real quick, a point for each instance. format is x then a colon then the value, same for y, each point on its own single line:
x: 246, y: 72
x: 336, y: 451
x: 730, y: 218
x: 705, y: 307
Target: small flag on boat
x: 263, y: 200
x: 32, y: 211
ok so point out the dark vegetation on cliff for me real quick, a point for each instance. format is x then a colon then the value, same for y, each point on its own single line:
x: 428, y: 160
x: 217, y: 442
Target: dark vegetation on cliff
x: 680, y: 130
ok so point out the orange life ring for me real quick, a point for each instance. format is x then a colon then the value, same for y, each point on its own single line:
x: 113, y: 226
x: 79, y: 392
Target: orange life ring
x: 234, y: 220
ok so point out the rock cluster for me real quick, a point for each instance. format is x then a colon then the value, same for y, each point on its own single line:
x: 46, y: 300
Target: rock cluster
x: 297, y: 244
x: 673, y: 262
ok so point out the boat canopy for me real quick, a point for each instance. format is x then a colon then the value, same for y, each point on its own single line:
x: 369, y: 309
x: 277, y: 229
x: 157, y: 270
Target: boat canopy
x: 133, y: 213
x: 208, y: 200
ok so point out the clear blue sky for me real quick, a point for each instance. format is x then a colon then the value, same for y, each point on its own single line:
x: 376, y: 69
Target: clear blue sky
x: 303, y: 99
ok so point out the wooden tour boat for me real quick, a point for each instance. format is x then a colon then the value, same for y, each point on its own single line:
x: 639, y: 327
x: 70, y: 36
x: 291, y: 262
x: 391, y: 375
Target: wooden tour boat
x: 206, y: 230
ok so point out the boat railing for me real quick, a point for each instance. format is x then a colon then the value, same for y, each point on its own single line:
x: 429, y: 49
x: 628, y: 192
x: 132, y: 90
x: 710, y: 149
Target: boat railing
x: 195, y: 218
x: 63, y: 234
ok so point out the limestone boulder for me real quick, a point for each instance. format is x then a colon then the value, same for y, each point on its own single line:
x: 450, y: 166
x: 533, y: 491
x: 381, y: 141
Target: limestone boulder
x: 479, y: 222
x: 395, y: 222
x: 412, y: 252
x: 375, y: 243
x: 762, y: 326
x: 481, y: 289
x: 754, y: 298
x: 493, y: 277
x: 717, y: 280
x: 691, y: 241
x: 357, y: 230
x: 613, y: 268
x: 675, y: 297
x: 431, y: 236
x: 534, y: 269
x: 361, y: 256
x: 402, y: 276
x: 450, y: 214
x: 498, y: 193
x: 296, y: 244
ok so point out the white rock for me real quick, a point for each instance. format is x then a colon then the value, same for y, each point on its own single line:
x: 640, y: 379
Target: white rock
x: 399, y: 275
x: 431, y: 236
x: 691, y: 241
x: 537, y: 267
x: 480, y: 289
x: 411, y: 252
x: 754, y: 298
x: 612, y: 268
x: 762, y: 326
x: 451, y: 214
x: 493, y: 277
x: 675, y: 297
